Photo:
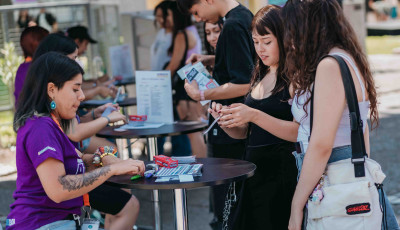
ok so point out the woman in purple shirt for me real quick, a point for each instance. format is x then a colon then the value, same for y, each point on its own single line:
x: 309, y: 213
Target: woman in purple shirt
x: 51, y: 171
x: 29, y: 41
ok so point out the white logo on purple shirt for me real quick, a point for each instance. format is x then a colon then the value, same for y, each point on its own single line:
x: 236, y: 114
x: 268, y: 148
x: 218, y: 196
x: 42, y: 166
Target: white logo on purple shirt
x: 43, y: 150
x: 10, y: 222
x: 80, y: 169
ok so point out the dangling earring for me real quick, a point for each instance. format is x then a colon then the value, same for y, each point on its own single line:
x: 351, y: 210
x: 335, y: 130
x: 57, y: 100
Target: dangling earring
x: 53, y: 105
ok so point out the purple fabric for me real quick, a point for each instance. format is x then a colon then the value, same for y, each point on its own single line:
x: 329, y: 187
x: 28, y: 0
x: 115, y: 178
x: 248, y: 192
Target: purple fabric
x: 197, y: 48
x: 20, y: 79
x: 39, y: 139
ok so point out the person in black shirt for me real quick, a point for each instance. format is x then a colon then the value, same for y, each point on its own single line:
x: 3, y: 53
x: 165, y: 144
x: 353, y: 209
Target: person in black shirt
x: 233, y: 64
x: 47, y: 21
x: 265, y: 199
x: 25, y: 20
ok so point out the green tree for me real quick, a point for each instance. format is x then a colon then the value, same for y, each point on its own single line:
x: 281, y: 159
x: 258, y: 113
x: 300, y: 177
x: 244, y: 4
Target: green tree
x: 9, y: 63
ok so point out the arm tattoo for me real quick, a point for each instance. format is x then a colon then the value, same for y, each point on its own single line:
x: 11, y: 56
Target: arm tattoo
x: 87, y: 161
x: 75, y: 182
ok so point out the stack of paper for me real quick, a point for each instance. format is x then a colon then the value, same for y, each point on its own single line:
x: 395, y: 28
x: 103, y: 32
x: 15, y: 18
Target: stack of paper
x: 185, y: 160
x: 199, y: 73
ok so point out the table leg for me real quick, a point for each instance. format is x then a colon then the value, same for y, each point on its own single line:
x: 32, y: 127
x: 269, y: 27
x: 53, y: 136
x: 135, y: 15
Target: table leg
x: 180, y: 204
x: 128, y: 141
x: 120, y: 146
x: 151, y: 152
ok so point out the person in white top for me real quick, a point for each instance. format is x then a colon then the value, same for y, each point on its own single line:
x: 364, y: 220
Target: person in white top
x: 313, y: 29
x: 159, y: 49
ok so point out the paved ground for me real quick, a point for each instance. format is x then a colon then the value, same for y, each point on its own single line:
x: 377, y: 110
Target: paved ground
x: 385, y: 146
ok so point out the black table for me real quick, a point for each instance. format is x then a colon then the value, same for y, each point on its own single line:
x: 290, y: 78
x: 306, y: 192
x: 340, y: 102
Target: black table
x: 130, y: 101
x: 177, y: 128
x: 125, y: 81
x: 215, y: 171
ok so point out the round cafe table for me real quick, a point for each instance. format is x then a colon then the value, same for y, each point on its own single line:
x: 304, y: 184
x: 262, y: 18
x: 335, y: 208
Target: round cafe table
x: 125, y: 81
x: 176, y: 128
x: 130, y: 101
x: 215, y: 171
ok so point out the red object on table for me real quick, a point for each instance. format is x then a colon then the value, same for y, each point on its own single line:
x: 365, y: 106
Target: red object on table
x: 118, y: 78
x: 138, y: 117
x: 165, y: 161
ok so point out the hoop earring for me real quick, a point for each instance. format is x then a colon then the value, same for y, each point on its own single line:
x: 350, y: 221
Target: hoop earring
x: 53, y: 105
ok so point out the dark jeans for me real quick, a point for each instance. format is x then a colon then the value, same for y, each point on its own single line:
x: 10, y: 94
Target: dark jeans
x: 180, y: 145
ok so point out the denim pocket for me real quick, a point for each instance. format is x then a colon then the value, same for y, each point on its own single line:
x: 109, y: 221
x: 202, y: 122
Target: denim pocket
x: 299, y: 162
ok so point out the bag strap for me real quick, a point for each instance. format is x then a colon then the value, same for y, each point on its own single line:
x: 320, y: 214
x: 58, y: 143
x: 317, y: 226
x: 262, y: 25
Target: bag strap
x: 356, y: 123
x: 183, y: 60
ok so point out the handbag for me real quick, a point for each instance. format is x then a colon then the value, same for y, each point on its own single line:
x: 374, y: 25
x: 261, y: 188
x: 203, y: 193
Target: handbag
x: 348, y: 190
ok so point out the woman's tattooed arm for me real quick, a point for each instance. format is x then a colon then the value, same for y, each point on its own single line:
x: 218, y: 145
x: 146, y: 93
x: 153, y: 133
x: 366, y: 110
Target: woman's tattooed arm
x: 75, y: 182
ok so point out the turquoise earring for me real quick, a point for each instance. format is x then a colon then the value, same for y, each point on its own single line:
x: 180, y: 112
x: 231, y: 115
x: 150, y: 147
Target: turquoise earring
x: 53, y: 105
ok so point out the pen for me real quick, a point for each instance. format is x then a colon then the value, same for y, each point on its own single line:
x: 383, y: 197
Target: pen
x: 135, y: 177
x: 212, y: 124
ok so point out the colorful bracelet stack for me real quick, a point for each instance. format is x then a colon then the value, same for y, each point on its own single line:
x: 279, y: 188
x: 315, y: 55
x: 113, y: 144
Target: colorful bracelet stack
x: 102, y: 152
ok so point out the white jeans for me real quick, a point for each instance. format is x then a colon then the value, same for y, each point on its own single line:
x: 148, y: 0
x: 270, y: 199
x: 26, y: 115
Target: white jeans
x: 59, y: 225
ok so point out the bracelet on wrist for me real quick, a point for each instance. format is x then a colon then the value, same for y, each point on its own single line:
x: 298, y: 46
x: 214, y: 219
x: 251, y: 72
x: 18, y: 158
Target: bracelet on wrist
x: 102, y: 152
x: 108, y: 119
x: 109, y: 149
x: 97, y: 159
x: 202, y: 97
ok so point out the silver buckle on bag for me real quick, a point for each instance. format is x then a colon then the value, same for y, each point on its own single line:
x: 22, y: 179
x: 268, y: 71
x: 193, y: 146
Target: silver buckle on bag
x: 358, y: 160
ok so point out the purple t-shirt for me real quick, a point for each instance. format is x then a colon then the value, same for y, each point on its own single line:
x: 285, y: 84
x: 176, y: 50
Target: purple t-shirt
x: 20, y: 79
x: 40, y: 138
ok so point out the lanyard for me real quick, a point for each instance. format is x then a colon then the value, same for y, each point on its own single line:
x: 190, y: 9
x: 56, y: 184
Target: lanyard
x: 85, y: 196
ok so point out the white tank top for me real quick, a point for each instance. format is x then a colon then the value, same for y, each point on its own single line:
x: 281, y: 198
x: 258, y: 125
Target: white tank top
x: 343, y: 134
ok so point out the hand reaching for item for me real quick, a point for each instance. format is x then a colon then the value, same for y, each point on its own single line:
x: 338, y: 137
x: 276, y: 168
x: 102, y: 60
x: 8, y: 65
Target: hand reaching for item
x: 99, y: 110
x: 236, y: 115
x: 117, y: 116
x: 129, y: 166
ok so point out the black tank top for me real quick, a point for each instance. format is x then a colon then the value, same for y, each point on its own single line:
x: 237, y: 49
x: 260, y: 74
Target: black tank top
x: 275, y: 105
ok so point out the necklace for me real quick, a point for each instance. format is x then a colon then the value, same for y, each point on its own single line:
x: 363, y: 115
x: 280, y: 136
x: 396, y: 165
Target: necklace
x: 56, y: 121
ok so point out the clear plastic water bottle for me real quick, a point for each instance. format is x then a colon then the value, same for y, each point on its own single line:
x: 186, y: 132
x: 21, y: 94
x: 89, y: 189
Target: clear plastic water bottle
x: 98, y: 67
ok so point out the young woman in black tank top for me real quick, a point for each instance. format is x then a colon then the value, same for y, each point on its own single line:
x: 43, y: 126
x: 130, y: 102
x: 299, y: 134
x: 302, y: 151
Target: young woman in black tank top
x: 265, y: 199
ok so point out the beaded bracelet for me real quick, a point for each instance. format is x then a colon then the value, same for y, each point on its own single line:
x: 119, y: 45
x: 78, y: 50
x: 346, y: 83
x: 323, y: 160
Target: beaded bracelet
x: 108, y: 149
x: 106, y: 154
x: 97, y: 159
x: 102, y: 152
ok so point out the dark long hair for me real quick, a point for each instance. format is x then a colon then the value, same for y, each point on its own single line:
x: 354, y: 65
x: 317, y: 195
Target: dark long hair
x: 312, y: 29
x: 163, y: 6
x: 210, y: 50
x: 266, y: 21
x: 181, y: 21
x: 56, y: 42
x: 34, y: 100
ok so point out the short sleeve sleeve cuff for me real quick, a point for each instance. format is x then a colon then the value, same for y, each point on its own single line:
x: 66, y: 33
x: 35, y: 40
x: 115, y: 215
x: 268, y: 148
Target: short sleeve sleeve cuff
x: 44, y: 141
